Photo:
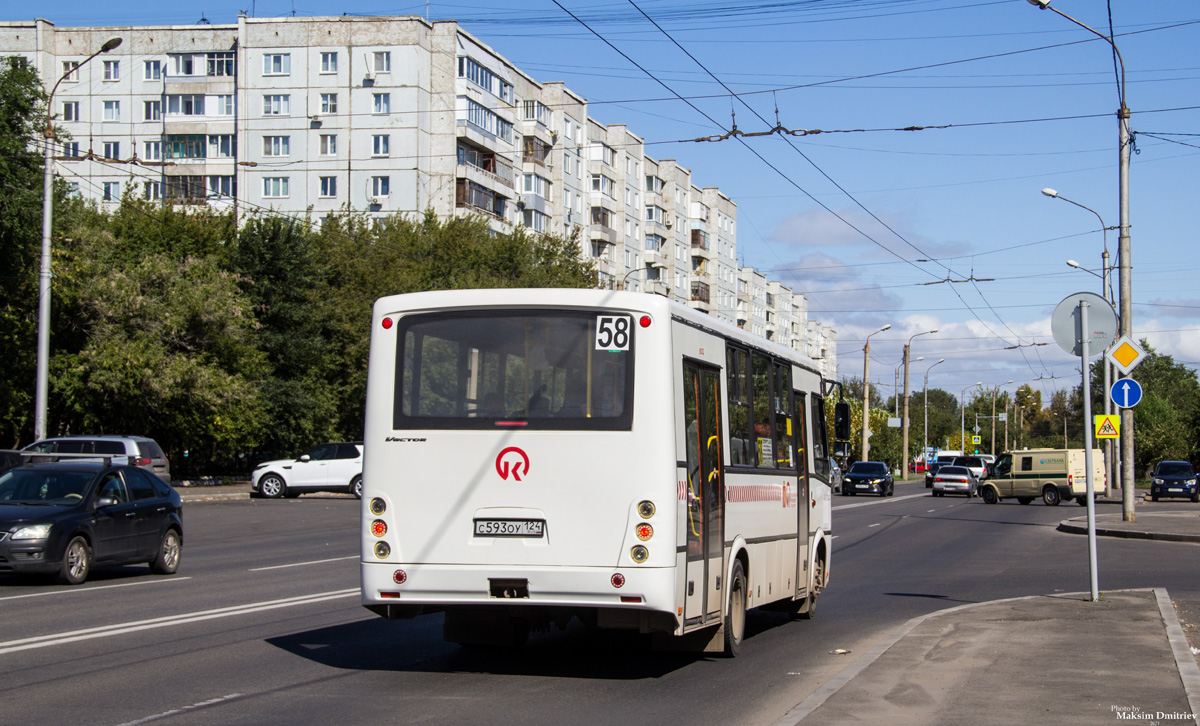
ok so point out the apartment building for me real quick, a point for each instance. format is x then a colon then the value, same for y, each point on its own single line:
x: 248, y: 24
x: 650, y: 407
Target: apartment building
x: 310, y: 116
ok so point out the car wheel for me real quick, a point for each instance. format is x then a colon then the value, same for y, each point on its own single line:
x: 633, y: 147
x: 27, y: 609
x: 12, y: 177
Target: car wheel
x: 989, y: 496
x: 77, y: 562
x: 1082, y: 501
x: 272, y: 486
x: 1153, y: 497
x: 356, y: 486
x: 169, y: 553
x: 969, y: 494
x: 1024, y: 500
x: 1196, y: 497
x: 1051, y: 496
x: 735, y: 619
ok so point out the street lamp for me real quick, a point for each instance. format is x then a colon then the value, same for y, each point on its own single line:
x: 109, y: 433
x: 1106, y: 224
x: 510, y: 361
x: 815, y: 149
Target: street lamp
x: 867, y: 389
x: 926, y: 451
x: 962, y: 406
x: 1124, y: 261
x: 904, y: 421
x: 43, y: 337
x: 994, y: 392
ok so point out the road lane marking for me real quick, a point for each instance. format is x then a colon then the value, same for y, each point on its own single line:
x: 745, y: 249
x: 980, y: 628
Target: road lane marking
x: 105, y: 631
x: 73, y: 590
x: 185, y: 709
x: 873, y: 525
x: 301, y: 564
x: 930, y: 510
x: 881, y: 500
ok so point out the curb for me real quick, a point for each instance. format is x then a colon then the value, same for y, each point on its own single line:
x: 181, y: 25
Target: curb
x: 1188, y: 670
x: 1071, y: 526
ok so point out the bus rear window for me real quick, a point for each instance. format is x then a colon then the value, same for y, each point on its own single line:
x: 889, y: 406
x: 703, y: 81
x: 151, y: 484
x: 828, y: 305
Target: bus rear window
x: 527, y: 369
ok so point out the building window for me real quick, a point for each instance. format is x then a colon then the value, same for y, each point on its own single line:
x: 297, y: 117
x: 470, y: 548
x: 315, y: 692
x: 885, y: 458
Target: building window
x: 152, y: 151
x: 328, y: 103
x: 152, y: 72
x: 185, y: 188
x: 112, y: 110
x: 654, y: 242
x: 224, y: 104
x: 112, y: 150
x: 112, y: 70
x: 380, y: 144
x: 381, y: 186
x: 536, y: 221
x: 383, y: 102
x: 469, y: 194
x: 152, y: 110
x: 183, y: 64
x: 654, y: 214
x: 222, y: 186
x: 654, y: 184
x: 473, y: 71
x: 73, y: 188
x: 485, y: 119
x: 328, y: 144
x: 329, y: 186
x: 276, y: 145
x: 70, y: 70
x: 71, y: 149
x: 186, y: 146
x: 539, y: 185
x: 383, y: 61
x: 604, y: 185
x: 185, y: 105
x: 329, y: 62
x: 222, y: 146
x: 275, y: 186
x: 112, y: 191
x: 536, y: 111
x: 70, y: 110
x: 152, y: 190
x: 277, y: 105
x: 277, y: 64
x: 220, y: 63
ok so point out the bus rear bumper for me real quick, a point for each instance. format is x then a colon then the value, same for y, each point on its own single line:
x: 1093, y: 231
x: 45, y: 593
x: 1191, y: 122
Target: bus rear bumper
x: 423, y: 588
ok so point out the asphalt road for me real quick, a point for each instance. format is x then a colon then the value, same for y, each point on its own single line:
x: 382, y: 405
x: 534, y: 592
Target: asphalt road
x: 262, y: 625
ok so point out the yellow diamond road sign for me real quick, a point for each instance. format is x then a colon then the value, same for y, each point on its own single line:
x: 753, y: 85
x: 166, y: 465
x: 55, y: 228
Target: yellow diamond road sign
x: 1108, y: 427
x: 1125, y: 354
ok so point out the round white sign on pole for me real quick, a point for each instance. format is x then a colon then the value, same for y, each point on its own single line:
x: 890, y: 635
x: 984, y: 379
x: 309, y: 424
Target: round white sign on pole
x: 1066, y: 324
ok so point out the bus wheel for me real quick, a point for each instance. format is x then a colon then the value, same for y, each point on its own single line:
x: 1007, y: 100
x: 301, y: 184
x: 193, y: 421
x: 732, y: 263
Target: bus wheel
x: 735, y: 619
x: 809, y: 611
x: 989, y: 496
x: 1051, y: 496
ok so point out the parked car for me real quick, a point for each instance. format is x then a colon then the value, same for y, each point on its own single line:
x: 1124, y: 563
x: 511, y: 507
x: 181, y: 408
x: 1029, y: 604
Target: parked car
x: 1174, y: 479
x: 134, y: 450
x: 66, y: 517
x: 974, y: 463
x: 989, y: 464
x: 835, y: 475
x: 335, y: 467
x: 869, y: 477
x: 9, y: 459
x: 952, y: 479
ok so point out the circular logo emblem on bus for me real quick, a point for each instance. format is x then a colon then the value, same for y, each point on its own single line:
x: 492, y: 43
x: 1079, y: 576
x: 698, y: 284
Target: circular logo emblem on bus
x: 512, y: 461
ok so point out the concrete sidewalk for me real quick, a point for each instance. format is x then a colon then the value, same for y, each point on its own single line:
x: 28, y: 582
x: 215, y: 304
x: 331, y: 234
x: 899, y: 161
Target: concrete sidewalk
x: 1034, y: 660
x: 212, y: 492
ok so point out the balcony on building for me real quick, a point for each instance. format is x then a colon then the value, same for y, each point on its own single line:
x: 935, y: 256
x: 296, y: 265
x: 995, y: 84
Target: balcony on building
x: 534, y: 151
x: 700, y: 292
x: 701, y: 243
x: 475, y: 197
x: 601, y: 229
x: 484, y: 166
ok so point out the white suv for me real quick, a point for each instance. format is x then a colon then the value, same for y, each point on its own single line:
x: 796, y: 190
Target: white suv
x: 323, y: 468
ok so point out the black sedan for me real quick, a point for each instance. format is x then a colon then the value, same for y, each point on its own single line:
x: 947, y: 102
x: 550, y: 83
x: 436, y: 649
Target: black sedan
x: 868, y: 477
x: 66, y: 517
x: 1174, y: 479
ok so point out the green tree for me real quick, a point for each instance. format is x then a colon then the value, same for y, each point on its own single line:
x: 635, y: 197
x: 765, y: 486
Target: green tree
x: 1165, y: 422
x: 22, y: 120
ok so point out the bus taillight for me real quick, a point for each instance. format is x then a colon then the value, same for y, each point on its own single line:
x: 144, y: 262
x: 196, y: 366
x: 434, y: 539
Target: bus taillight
x: 399, y: 577
x: 387, y: 323
x: 644, y: 532
x: 644, y: 321
x: 618, y: 580
x: 378, y: 528
x: 639, y: 554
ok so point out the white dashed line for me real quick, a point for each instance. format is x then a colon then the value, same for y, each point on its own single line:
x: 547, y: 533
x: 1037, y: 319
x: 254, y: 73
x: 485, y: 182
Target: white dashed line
x: 873, y: 525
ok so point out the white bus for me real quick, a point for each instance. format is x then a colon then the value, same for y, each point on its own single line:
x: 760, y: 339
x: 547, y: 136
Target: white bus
x: 537, y: 455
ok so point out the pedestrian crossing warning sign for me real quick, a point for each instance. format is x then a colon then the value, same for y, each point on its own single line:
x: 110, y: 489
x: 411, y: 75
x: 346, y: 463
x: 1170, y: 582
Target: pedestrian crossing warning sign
x: 1108, y: 427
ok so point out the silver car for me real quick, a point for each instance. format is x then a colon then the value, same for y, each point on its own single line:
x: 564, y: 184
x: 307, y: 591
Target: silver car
x: 136, y: 451
x: 955, y: 480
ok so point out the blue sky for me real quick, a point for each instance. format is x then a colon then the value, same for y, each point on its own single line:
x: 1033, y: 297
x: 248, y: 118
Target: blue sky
x: 1027, y: 100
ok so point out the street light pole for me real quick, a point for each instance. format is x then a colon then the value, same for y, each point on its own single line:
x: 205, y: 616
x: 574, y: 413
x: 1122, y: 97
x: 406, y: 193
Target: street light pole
x: 994, y: 392
x: 904, y: 421
x: 926, y: 451
x: 867, y: 390
x: 1124, y: 262
x: 962, y: 425
x: 41, y: 395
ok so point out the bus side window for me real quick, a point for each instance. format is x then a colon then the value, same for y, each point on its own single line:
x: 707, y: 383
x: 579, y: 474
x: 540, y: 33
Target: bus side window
x: 764, y: 438
x: 738, y: 391
x: 783, y: 416
x: 801, y: 435
x: 820, y: 434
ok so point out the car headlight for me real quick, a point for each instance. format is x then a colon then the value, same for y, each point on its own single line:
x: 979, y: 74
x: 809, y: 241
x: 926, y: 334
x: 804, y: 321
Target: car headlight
x: 33, y: 531
x: 1190, y: 482
x: 1156, y: 481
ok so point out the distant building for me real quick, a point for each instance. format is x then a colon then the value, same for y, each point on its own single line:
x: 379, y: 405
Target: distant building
x: 308, y: 116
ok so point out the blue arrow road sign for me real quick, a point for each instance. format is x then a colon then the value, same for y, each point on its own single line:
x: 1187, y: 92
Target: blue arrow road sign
x: 1126, y: 393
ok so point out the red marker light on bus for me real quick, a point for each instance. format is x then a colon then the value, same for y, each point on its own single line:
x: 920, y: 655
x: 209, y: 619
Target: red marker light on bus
x: 644, y: 532
x: 387, y: 323
x: 378, y: 528
x: 618, y: 580
x: 399, y: 577
x: 644, y: 321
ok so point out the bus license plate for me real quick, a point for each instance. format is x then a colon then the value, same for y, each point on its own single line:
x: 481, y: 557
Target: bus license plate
x: 510, y: 527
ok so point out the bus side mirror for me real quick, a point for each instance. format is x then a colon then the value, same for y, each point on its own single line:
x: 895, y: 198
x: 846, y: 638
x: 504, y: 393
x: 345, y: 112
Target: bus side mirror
x: 841, y: 421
